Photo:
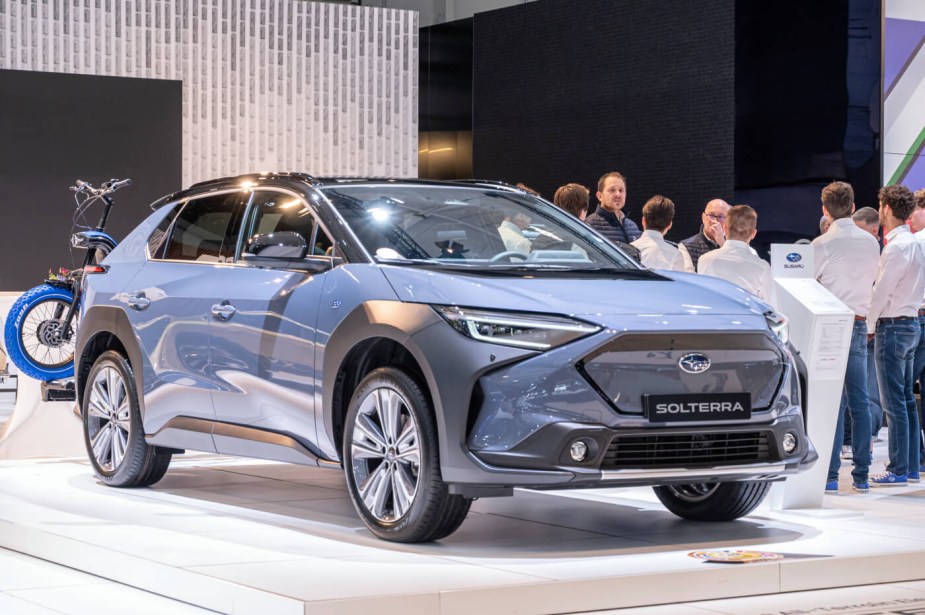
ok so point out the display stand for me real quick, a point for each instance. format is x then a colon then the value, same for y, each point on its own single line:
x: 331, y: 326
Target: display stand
x: 38, y: 428
x: 820, y: 330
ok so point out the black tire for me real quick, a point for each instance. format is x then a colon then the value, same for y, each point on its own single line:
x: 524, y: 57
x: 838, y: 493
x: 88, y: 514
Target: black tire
x: 112, y: 427
x: 713, y: 501
x: 393, y: 471
x: 451, y: 518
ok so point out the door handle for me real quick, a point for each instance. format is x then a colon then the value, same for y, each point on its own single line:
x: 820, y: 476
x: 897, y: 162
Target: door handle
x: 138, y: 301
x: 223, y: 310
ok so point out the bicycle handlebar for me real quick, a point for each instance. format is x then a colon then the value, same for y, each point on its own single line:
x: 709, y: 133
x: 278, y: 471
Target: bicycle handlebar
x: 105, y: 188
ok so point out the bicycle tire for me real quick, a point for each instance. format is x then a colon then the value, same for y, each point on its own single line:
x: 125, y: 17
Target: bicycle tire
x: 18, y: 327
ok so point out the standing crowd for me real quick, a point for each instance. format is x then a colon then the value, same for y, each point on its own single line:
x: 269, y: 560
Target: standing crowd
x: 881, y: 281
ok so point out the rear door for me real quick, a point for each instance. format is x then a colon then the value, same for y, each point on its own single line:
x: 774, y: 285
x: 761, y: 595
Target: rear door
x: 169, y: 305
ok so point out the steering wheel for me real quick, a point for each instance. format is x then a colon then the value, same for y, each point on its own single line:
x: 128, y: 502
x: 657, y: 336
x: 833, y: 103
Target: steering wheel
x: 508, y: 254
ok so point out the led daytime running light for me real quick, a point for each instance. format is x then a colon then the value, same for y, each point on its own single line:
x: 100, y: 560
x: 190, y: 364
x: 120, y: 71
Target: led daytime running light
x: 471, y: 323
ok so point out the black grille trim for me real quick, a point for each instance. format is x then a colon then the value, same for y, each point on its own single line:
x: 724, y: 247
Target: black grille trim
x: 687, y: 450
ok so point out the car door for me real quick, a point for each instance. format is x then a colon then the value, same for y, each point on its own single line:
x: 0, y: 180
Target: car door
x: 263, y: 339
x: 169, y: 305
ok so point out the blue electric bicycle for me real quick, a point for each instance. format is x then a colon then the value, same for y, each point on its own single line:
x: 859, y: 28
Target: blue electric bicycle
x: 40, y: 328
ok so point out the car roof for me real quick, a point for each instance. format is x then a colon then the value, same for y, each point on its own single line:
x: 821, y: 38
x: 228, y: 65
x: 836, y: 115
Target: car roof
x: 322, y: 182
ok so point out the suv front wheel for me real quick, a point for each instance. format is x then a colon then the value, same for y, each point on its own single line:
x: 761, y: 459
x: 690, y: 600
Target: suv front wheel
x: 112, y: 428
x: 713, y: 501
x: 392, y: 462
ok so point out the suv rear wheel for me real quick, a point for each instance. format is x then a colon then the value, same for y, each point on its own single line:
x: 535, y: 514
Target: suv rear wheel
x: 112, y: 427
x: 713, y: 501
x: 392, y: 463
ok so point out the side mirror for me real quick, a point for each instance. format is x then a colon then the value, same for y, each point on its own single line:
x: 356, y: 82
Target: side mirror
x: 283, y: 245
x: 285, y: 250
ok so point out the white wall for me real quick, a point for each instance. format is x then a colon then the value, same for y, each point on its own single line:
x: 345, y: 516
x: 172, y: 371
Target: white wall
x: 289, y: 85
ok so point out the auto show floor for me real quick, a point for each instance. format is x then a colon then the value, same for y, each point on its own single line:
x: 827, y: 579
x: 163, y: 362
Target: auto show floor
x: 244, y: 536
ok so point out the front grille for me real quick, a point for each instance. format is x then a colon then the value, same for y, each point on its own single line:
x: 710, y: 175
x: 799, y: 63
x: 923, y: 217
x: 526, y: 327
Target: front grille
x: 639, y: 364
x: 686, y: 450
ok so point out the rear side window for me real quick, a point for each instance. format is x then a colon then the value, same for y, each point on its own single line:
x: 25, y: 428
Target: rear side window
x: 158, y: 238
x: 206, y: 229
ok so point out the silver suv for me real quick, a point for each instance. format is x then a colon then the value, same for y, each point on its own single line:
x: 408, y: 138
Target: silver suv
x: 414, y: 334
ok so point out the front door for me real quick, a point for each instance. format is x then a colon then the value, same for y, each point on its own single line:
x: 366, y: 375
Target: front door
x: 263, y: 341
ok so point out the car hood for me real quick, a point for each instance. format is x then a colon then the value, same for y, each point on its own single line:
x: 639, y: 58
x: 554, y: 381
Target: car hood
x: 673, y: 293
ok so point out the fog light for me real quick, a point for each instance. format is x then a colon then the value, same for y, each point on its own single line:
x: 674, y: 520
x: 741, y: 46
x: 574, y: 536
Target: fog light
x: 578, y: 451
x: 789, y: 442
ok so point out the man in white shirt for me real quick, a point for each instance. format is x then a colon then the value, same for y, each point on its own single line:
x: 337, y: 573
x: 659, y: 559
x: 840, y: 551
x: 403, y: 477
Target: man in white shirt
x: 917, y: 224
x: 868, y: 220
x: 893, y: 317
x: 654, y: 251
x: 511, y: 230
x: 846, y: 260
x: 735, y: 262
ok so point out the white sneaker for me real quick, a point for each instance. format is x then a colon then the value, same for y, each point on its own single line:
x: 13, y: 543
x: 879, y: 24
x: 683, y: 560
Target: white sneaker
x: 846, y: 452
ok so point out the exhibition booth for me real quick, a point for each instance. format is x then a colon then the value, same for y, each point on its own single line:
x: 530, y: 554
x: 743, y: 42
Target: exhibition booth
x: 242, y: 536
x: 341, y: 89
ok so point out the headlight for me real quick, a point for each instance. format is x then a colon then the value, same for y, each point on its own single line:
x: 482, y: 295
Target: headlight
x: 777, y: 322
x: 511, y: 329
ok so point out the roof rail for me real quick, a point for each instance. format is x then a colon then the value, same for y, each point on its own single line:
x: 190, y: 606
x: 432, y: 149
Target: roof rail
x: 294, y: 174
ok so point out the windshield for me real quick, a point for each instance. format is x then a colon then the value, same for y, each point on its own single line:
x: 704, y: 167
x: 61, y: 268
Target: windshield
x: 468, y: 227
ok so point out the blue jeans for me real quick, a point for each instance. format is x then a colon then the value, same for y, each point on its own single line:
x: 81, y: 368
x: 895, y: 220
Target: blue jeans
x: 873, y: 391
x: 918, y: 365
x: 895, y: 344
x: 854, y: 396
x: 873, y: 397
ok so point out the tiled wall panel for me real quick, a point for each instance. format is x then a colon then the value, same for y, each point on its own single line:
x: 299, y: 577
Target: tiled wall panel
x: 329, y: 89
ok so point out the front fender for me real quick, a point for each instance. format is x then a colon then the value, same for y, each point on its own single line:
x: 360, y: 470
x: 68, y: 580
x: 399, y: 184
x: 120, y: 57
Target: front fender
x: 451, y: 365
x: 382, y: 319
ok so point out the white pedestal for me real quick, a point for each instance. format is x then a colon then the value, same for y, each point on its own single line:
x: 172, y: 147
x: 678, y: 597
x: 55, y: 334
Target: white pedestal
x: 37, y: 428
x: 820, y: 329
x: 41, y: 428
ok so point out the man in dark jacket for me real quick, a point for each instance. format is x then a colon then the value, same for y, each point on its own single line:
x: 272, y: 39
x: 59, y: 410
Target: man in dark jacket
x: 711, y: 236
x: 609, y: 219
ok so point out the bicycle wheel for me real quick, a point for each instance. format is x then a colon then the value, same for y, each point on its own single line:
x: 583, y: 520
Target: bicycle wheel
x: 34, y: 333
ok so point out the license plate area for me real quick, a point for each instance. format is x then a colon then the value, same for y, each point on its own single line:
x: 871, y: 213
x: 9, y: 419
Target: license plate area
x: 698, y: 407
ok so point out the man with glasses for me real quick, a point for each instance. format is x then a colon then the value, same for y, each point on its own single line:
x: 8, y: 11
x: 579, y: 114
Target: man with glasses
x: 711, y: 236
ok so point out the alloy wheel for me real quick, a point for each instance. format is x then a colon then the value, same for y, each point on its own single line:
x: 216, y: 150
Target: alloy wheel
x: 109, y: 420
x: 386, y: 454
x: 694, y: 492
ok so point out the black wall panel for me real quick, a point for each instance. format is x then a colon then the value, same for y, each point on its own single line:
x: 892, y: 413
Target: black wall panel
x: 565, y: 90
x: 56, y: 128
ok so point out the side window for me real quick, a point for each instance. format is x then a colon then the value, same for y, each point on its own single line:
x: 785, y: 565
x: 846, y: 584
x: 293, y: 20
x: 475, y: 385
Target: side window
x: 158, y: 238
x: 275, y: 212
x: 322, y: 244
x: 207, y: 229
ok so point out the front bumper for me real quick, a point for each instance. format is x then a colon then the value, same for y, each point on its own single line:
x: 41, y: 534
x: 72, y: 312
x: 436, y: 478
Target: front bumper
x: 627, y: 457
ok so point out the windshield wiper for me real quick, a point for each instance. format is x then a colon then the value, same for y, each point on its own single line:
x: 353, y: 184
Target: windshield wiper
x: 421, y: 262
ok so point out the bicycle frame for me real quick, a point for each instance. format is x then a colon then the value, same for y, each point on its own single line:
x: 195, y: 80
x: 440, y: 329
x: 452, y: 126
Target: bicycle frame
x: 67, y: 331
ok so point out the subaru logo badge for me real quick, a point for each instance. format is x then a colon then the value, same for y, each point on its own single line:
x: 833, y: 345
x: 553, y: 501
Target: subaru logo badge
x: 694, y: 363
x: 793, y: 257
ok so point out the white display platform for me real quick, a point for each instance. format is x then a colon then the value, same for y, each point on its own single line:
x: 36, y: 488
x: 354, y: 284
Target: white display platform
x: 243, y: 536
x: 41, y: 429
x: 36, y: 428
